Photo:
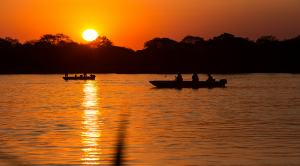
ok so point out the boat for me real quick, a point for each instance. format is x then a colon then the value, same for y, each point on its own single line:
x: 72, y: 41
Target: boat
x: 189, y: 84
x: 81, y: 77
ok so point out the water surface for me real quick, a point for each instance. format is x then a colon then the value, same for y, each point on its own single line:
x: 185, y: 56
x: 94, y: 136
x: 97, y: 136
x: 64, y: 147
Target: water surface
x: 254, y: 120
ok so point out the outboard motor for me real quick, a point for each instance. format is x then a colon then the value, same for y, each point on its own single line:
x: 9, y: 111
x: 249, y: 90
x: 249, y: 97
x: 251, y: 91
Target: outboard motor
x: 223, y: 81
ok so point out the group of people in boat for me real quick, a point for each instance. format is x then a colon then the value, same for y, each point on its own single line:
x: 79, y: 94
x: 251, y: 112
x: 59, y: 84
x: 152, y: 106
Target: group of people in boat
x: 84, y: 75
x: 194, y: 77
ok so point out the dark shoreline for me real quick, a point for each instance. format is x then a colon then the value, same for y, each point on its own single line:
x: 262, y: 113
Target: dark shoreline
x: 238, y: 73
x: 223, y: 54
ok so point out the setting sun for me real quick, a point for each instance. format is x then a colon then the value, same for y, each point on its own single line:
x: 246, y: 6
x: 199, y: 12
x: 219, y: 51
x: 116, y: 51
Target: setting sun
x: 90, y: 35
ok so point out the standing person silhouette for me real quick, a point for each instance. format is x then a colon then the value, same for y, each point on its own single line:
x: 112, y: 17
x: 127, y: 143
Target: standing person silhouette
x: 179, y: 78
x: 195, y: 77
x: 210, y: 78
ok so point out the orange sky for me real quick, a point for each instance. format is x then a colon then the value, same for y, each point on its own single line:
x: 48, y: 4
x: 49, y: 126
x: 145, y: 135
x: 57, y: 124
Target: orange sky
x: 130, y: 23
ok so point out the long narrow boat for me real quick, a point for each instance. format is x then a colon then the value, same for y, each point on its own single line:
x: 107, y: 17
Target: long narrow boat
x: 188, y: 84
x: 91, y: 77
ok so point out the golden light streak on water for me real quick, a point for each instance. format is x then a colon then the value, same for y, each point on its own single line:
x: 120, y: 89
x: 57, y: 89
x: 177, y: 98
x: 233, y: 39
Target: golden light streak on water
x: 47, y: 121
x: 92, y: 125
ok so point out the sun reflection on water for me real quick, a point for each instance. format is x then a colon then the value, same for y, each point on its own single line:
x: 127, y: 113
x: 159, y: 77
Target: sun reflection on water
x: 91, y: 125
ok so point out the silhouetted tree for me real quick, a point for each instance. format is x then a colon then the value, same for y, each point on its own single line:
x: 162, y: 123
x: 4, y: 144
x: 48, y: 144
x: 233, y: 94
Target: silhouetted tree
x: 4, y: 44
x: 296, y: 38
x: 160, y: 43
x: 100, y: 41
x: 266, y: 39
x: 191, y: 40
x: 30, y: 42
x: 8, y: 42
x: 13, y: 42
x: 224, y: 36
x: 58, y: 39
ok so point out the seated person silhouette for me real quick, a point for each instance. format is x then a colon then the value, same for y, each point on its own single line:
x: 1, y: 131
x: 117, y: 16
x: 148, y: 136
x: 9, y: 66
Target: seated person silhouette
x: 179, y: 78
x: 210, y: 78
x: 195, y: 77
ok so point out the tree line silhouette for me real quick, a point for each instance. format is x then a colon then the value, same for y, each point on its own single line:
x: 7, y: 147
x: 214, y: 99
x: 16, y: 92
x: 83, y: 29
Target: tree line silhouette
x: 222, y: 54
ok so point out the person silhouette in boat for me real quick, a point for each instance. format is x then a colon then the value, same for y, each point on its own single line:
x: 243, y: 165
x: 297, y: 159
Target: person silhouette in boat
x: 210, y: 78
x: 195, y: 77
x: 179, y: 78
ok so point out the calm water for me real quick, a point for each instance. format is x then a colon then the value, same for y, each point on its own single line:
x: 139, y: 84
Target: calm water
x: 45, y: 120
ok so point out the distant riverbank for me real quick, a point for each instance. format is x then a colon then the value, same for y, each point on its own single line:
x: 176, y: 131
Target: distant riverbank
x: 222, y: 54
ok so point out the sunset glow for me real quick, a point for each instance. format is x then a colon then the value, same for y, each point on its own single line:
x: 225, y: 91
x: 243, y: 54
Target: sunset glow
x: 131, y: 23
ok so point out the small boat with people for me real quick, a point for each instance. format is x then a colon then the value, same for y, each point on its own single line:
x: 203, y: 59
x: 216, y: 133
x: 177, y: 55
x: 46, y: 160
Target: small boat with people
x: 195, y: 83
x: 81, y: 77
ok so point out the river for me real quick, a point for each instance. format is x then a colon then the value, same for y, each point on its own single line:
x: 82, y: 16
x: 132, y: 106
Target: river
x: 254, y: 120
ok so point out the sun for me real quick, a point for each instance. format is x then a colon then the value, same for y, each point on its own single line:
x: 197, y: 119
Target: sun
x: 90, y: 35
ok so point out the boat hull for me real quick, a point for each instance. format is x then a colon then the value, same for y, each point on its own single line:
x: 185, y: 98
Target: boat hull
x: 80, y: 78
x: 188, y: 84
